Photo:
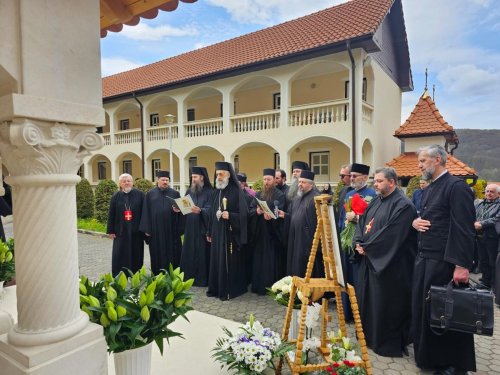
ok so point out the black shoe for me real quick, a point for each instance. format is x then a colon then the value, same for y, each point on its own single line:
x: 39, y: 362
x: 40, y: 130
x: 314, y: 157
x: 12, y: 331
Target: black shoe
x: 450, y: 371
x: 405, y: 351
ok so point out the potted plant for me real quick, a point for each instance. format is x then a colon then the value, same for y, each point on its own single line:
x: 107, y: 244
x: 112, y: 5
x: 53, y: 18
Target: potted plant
x: 136, y: 311
x: 7, y: 265
x: 252, y: 350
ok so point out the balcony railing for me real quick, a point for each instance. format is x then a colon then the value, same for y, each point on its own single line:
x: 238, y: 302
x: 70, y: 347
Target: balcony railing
x: 160, y: 133
x: 203, y: 127
x: 107, y: 139
x: 128, y: 136
x: 367, y: 113
x: 255, y: 121
x: 320, y: 113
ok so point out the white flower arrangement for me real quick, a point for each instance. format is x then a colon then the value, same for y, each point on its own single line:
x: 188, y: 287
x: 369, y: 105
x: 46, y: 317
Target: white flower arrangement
x: 342, y: 349
x: 251, y: 350
x: 280, y: 292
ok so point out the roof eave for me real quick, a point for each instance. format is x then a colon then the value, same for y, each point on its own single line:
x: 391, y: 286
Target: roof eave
x: 365, y: 41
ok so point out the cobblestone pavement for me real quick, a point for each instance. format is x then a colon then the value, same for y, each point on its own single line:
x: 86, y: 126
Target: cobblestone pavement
x: 95, y: 259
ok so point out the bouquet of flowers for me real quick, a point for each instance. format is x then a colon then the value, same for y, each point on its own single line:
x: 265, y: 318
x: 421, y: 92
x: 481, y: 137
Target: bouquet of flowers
x: 358, y: 205
x: 251, y: 350
x: 280, y: 292
x: 7, y: 265
x: 344, y: 356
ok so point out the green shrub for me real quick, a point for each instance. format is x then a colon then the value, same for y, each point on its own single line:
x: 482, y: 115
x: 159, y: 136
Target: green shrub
x: 143, y: 185
x: 103, y: 193
x: 479, y: 188
x: 84, y: 199
x: 336, y: 192
x: 257, y: 185
x: 413, y: 184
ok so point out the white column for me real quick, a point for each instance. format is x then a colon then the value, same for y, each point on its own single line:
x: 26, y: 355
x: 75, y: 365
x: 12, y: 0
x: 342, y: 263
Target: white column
x: 227, y: 103
x: 285, y: 103
x: 182, y: 174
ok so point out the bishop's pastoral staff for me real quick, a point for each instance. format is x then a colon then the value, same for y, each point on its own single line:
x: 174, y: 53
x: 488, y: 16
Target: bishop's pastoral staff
x: 386, y: 242
x: 161, y: 223
x: 228, y: 233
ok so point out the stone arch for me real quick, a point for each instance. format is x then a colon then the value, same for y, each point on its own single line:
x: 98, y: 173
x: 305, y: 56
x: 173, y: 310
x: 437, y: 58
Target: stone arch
x: 99, y: 168
x: 256, y: 93
x: 202, y: 103
x: 367, y: 153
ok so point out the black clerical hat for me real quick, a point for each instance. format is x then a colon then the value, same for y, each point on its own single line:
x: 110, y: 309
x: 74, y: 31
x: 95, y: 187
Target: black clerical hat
x: 198, y: 170
x: 222, y: 166
x: 360, y: 168
x: 307, y: 174
x: 268, y: 172
x: 242, y: 177
x: 163, y: 174
x: 300, y: 165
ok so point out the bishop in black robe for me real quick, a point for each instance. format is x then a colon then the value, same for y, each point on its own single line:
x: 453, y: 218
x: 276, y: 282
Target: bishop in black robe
x: 123, y: 223
x: 383, y: 291
x: 161, y: 223
x: 268, y: 248
x: 448, y: 242
x: 227, y: 233
x: 195, y: 257
x: 301, y: 225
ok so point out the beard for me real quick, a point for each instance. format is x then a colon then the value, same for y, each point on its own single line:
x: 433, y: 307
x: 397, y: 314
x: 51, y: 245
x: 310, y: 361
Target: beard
x: 196, y: 188
x: 267, y: 193
x: 428, y: 173
x: 127, y: 190
x: 294, y: 188
x: 222, y: 184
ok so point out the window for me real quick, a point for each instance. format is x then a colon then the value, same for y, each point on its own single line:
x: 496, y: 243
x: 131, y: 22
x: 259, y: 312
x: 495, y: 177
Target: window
x: 127, y: 166
x: 154, y: 119
x: 277, y: 100
x: 221, y: 109
x: 80, y: 171
x: 365, y: 89
x: 320, y: 165
x: 124, y: 124
x: 99, y: 130
x: 101, y: 170
x: 190, y: 114
x: 155, y: 167
x: 193, y: 162
x: 236, y: 163
x: 276, y: 160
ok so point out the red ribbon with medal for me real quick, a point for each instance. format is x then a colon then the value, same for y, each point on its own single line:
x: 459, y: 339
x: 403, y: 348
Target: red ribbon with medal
x: 127, y: 214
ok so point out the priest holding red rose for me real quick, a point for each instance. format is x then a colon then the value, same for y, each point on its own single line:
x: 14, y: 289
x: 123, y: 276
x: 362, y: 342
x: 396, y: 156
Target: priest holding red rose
x: 385, y: 241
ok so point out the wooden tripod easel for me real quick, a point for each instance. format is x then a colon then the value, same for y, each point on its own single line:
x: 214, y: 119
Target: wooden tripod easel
x: 312, y: 289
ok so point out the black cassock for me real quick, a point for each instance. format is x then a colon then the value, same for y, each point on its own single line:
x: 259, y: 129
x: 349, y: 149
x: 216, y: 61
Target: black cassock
x: 385, y: 272
x: 128, y: 245
x: 301, y: 221
x: 268, y: 250
x: 163, y: 225
x: 227, y: 278
x: 195, y: 257
x: 5, y: 207
x: 448, y: 204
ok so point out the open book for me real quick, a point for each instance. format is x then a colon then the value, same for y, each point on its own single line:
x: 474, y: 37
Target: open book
x: 264, y: 207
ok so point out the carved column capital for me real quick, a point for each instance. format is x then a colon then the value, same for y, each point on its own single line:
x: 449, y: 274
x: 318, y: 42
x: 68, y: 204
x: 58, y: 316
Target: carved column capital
x: 32, y: 147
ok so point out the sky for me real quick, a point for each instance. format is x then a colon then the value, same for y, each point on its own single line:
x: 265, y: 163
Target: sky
x: 458, y: 41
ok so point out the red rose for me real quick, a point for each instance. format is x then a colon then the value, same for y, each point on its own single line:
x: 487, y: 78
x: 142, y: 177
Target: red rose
x: 358, y: 204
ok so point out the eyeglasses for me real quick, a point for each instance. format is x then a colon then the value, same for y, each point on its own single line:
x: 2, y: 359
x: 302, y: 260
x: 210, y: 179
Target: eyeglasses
x: 344, y: 175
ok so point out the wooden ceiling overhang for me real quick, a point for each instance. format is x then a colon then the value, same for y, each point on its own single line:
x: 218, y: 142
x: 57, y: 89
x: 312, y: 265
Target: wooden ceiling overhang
x: 116, y: 13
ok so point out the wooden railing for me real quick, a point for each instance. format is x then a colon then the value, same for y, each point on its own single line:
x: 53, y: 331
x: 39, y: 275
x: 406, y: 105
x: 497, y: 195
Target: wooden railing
x: 327, y: 113
x: 250, y: 122
x: 202, y: 128
x: 160, y: 133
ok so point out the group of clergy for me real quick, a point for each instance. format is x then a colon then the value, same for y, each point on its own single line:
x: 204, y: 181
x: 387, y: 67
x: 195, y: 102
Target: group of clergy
x: 232, y: 239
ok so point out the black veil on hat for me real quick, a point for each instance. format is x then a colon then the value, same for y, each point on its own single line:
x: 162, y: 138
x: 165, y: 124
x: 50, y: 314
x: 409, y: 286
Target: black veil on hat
x: 242, y: 177
x: 202, y: 171
x: 360, y: 168
x: 300, y: 165
x: 163, y: 174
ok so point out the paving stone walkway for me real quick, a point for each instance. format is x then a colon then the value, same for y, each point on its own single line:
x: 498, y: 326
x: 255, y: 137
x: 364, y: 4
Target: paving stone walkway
x: 95, y: 259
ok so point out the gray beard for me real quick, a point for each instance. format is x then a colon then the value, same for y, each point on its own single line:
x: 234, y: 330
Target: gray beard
x: 127, y: 190
x: 195, y: 188
x: 300, y: 193
x: 221, y: 185
x: 293, y: 189
x: 428, y: 174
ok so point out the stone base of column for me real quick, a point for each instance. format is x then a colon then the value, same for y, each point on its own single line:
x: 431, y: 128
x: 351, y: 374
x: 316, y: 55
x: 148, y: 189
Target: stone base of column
x: 82, y: 354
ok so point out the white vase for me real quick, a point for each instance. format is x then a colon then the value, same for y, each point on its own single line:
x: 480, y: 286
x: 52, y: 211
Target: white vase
x: 134, y: 361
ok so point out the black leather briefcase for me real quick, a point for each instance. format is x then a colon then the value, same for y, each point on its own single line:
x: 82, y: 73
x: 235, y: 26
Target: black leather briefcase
x: 466, y: 309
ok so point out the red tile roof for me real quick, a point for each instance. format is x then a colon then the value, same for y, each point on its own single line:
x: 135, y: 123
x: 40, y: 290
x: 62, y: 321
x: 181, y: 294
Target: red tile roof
x: 353, y: 19
x: 425, y: 119
x: 406, y: 165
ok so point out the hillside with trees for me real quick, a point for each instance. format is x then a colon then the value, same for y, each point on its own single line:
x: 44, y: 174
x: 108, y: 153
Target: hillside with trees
x: 480, y: 149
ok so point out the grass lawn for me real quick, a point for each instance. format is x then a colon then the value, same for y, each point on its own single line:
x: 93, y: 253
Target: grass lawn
x: 91, y: 224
